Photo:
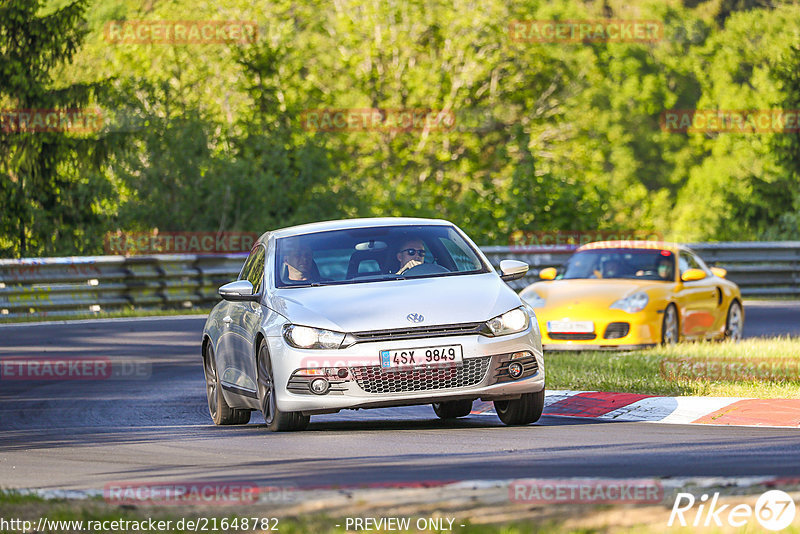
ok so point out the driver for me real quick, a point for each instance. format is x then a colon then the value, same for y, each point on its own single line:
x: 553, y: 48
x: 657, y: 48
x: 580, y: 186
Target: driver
x: 299, y: 262
x: 411, y: 254
x: 664, y: 269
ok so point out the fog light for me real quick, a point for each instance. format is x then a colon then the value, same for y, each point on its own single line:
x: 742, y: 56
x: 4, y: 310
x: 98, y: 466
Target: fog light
x: 342, y: 373
x: 319, y: 386
x: 515, y: 370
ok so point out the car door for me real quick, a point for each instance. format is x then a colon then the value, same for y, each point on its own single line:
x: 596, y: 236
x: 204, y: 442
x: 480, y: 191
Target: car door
x: 698, y: 298
x: 240, y: 325
x: 714, y: 322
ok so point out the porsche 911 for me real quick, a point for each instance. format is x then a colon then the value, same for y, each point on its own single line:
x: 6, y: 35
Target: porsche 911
x: 634, y: 294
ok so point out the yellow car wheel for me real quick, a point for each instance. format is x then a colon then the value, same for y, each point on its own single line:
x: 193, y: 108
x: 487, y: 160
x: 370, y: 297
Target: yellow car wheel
x: 669, y: 326
x: 735, y: 322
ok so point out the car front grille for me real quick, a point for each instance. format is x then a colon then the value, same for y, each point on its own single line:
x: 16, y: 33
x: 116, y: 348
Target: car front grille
x: 373, y: 379
x: 573, y: 337
x: 617, y: 330
x: 420, y: 332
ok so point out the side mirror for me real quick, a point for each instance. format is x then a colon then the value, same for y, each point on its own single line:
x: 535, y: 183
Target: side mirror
x: 512, y: 270
x: 693, y: 275
x: 548, y: 274
x: 239, y: 291
x: 719, y: 271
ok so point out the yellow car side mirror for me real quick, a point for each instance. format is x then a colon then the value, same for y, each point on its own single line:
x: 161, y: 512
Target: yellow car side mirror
x: 692, y: 275
x: 548, y: 273
x: 719, y: 271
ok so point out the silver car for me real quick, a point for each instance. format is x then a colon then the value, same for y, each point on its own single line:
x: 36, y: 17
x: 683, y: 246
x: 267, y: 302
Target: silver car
x: 371, y: 313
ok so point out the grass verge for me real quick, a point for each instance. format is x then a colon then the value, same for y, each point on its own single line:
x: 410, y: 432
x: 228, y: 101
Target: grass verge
x: 758, y: 367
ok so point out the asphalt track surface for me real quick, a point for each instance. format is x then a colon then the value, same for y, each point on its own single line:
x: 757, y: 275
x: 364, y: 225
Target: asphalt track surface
x: 86, y: 434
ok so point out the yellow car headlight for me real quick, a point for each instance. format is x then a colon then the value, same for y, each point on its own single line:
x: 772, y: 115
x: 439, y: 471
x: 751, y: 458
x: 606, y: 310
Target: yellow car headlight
x: 632, y: 303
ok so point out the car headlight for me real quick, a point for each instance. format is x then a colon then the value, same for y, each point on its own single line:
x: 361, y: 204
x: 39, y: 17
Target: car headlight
x: 305, y: 337
x: 510, y: 322
x: 632, y: 303
x: 532, y: 298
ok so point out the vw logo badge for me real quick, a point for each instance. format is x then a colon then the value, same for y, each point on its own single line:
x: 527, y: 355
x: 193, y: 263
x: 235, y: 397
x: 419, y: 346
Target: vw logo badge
x: 415, y: 317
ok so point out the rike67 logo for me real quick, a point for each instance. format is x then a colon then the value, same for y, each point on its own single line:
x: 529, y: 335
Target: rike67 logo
x: 774, y: 510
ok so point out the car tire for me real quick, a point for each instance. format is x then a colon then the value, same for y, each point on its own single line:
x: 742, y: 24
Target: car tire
x: 453, y: 409
x: 670, y: 326
x: 523, y: 411
x: 734, y: 324
x: 221, y: 413
x: 277, y: 420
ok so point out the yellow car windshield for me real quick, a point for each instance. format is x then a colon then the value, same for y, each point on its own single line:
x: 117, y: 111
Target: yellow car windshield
x: 615, y: 263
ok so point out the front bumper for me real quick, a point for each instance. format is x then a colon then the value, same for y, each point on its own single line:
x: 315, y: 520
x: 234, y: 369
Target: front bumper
x: 641, y: 329
x: 483, y: 374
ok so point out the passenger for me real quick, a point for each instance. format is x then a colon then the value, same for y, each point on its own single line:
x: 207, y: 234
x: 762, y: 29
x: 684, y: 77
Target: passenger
x: 612, y: 268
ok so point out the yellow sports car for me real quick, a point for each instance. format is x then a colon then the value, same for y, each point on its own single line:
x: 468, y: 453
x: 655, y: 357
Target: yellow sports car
x: 634, y: 294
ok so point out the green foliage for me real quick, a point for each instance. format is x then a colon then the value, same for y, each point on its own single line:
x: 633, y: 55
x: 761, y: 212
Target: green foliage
x: 547, y: 136
x: 786, y: 148
x: 51, y: 184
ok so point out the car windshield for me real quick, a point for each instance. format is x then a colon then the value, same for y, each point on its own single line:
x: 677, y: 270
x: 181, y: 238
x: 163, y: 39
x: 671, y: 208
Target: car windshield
x: 373, y: 254
x: 640, y: 264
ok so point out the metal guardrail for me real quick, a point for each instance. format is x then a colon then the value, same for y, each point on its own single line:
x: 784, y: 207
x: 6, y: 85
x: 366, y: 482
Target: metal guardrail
x: 82, y: 285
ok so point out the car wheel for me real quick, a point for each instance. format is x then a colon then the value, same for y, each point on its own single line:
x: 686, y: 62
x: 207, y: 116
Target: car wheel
x: 669, y: 326
x: 453, y: 409
x: 221, y: 413
x: 735, y: 322
x: 525, y: 410
x: 277, y: 420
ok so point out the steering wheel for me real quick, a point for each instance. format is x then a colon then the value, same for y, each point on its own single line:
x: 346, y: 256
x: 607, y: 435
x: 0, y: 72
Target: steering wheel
x: 426, y: 268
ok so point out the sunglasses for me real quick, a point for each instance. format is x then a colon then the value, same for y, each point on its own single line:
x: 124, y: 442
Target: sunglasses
x: 413, y: 251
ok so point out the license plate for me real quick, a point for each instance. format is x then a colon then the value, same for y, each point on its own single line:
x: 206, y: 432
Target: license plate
x: 570, y: 327
x: 422, y: 357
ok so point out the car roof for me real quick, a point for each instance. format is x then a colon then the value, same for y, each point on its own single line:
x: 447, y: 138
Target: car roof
x: 351, y: 223
x: 655, y: 245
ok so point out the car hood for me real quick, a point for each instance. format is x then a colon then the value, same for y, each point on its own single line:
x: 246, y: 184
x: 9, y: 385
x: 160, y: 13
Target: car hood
x: 579, y: 292
x: 386, y: 305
